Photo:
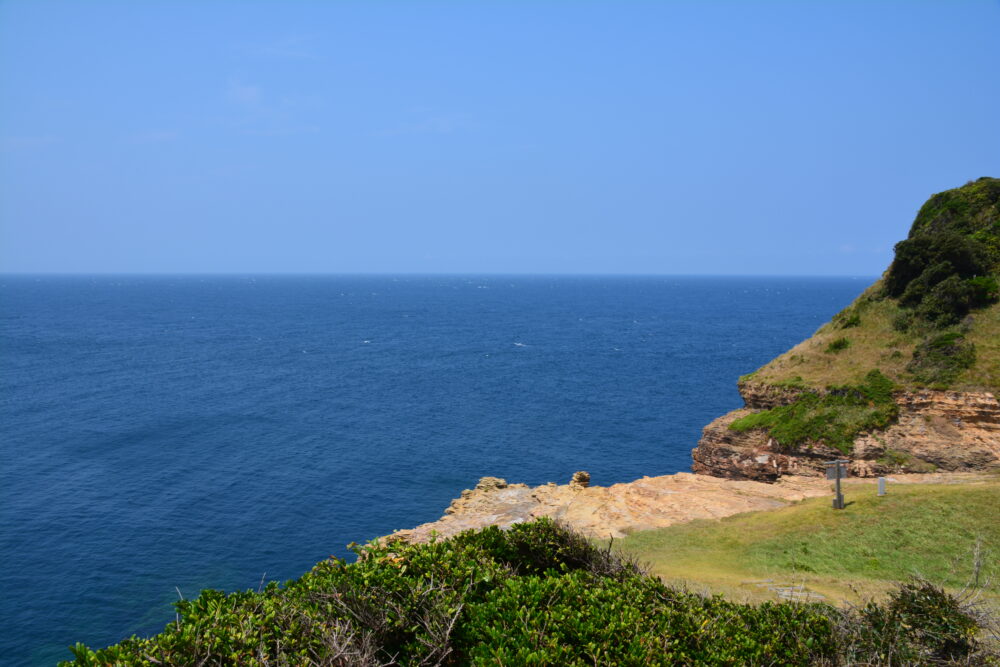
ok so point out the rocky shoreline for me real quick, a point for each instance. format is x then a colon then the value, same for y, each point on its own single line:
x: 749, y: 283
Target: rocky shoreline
x: 651, y: 502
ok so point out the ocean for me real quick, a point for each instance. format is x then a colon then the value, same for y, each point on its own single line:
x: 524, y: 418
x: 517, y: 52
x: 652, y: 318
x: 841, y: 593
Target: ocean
x: 161, y: 435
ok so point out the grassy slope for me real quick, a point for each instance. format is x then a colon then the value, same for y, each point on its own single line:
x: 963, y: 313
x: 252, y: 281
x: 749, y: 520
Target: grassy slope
x: 972, y: 212
x: 875, y: 344
x: 930, y: 529
x: 986, y: 336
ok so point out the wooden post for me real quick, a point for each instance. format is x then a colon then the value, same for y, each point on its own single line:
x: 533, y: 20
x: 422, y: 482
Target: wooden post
x: 836, y: 472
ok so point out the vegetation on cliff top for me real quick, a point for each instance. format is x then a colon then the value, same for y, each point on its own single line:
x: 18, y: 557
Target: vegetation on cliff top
x: 932, y: 321
x: 833, y: 417
x: 535, y: 594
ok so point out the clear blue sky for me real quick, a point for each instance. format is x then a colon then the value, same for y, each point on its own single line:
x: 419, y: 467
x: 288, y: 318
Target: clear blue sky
x: 542, y: 137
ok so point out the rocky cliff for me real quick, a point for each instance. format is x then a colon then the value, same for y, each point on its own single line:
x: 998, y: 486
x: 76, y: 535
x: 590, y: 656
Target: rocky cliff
x: 905, y: 379
x: 935, y: 430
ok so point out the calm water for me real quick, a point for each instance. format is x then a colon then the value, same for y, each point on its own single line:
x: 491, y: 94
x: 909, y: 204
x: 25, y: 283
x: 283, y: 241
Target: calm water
x: 210, y: 432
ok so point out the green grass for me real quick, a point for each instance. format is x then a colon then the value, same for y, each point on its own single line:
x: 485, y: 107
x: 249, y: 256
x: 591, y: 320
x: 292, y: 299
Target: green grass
x: 835, y: 417
x: 928, y: 529
x: 873, y: 344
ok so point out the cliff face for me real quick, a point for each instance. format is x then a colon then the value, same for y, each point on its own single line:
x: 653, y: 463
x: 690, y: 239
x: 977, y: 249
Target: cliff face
x: 935, y: 430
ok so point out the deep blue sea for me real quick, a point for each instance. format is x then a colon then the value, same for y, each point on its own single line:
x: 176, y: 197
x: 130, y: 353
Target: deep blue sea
x: 178, y: 433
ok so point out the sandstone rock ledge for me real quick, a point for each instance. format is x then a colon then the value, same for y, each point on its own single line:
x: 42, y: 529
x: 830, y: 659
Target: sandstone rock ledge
x: 936, y: 430
x: 615, y: 511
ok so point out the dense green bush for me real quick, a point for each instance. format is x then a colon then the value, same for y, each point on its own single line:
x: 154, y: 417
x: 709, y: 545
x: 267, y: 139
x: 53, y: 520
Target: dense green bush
x: 833, y: 418
x: 973, y: 209
x: 637, y: 621
x: 534, y: 594
x: 985, y: 290
x: 947, y: 265
x: 852, y: 320
x: 923, y: 261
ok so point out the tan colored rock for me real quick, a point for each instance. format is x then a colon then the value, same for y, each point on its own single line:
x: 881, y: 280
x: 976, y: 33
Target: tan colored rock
x: 936, y: 430
x: 580, y: 480
x: 650, y: 502
x: 490, y: 483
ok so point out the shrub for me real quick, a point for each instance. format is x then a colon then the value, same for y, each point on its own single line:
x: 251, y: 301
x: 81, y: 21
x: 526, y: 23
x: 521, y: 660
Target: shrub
x: 947, y: 303
x: 985, y: 290
x: 852, y: 320
x: 917, y: 290
x: 579, y: 620
x: 838, y: 345
x: 932, y: 257
x: 903, y: 320
x: 849, y: 317
x: 919, y: 624
x: 935, y: 619
x: 945, y: 268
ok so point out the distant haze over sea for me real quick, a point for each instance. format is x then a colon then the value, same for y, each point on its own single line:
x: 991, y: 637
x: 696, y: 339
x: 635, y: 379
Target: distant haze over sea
x: 211, y: 431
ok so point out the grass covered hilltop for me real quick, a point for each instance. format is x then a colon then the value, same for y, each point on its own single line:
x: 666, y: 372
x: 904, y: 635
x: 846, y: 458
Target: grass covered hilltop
x: 932, y: 320
x: 930, y: 324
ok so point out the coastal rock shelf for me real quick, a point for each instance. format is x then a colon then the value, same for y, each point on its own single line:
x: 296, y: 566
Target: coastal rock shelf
x: 615, y: 511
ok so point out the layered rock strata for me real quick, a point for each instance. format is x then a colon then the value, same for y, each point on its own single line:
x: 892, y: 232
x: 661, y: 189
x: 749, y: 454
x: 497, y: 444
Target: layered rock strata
x: 936, y: 430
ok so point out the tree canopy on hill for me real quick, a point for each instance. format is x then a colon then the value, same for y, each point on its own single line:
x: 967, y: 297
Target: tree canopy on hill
x: 947, y: 266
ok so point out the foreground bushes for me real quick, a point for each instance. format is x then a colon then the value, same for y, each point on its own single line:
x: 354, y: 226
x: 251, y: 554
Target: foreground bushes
x: 536, y: 594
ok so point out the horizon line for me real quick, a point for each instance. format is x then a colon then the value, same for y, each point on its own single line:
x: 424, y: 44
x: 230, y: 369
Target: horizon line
x: 389, y: 274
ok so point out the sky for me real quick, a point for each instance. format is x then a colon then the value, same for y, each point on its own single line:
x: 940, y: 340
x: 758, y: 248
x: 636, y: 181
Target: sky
x: 625, y: 137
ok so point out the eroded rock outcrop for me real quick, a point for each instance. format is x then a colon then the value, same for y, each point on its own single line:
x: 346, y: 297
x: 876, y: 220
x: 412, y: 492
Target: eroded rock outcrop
x: 614, y: 511
x: 580, y: 480
x: 650, y: 502
x: 935, y: 430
